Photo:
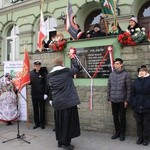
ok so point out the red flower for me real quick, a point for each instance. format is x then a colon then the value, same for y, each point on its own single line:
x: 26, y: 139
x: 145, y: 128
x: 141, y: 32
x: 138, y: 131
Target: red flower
x: 58, y: 45
x: 126, y: 39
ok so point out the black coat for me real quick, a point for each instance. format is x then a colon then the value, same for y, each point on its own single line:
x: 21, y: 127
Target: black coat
x: 141, y: 95
x: 64, y: 93
x: 97, y: 34
x: 132, y: 30
x: 38, y: 82
x: 119, y: 86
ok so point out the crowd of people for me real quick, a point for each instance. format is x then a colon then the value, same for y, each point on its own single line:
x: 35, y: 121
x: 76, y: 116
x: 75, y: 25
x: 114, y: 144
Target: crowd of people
x: 57, y: 86
x: 115, y: 30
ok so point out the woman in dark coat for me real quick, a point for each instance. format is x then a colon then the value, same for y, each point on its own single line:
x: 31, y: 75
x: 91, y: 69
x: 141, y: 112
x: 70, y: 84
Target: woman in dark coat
x: 65, y: 101
x: 133, y: 25
x: 141, y: 105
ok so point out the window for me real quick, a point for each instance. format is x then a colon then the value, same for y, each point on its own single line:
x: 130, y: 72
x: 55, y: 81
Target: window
x: 12, y: 44
x: 50, y: 24
x: 93, y: 18
x: 144, y: 16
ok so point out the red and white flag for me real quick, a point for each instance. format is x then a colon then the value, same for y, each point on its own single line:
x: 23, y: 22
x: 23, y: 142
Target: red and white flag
x: 42, y: 32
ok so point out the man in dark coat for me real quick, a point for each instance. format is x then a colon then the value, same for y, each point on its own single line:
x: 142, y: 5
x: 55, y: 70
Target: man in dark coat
x: 119, y: 92
x: 97, y: 31
x: 65, y: 101
x: 38, y: 93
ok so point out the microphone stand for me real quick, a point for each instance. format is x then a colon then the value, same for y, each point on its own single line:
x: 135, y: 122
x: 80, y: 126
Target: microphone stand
x: 18, y: 128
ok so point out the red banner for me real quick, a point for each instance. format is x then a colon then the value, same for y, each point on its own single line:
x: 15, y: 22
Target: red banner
x: 22, y: 77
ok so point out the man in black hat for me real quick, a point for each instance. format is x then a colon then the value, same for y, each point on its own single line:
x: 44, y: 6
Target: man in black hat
x: 97, y: 31
x: 38, y: 93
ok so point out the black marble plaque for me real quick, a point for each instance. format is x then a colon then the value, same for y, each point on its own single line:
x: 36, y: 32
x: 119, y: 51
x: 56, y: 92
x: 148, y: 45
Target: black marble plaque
x: 90, y: 58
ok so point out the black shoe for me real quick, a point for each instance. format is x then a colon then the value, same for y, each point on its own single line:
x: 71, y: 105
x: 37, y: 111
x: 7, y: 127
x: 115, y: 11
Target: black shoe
x: 115, y: 135
x: 59, y: 144
x: 42, y: 127
x: 139, y: 141
x: 69, y: 147
x: 9, y: 123
x: 122, y: 137
x: 145, y: 142
x: 35, y: 126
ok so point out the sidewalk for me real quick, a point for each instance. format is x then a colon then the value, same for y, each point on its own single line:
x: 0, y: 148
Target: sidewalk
x: 45, y: 140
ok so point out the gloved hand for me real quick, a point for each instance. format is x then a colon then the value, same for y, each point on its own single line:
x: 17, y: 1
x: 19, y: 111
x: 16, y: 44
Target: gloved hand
x: 50, y: 102
x: 72, y: 52
x: 45, y: 96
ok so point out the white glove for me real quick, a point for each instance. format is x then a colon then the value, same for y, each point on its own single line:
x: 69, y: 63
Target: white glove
x: 50, y: 102
x: 45, y: 96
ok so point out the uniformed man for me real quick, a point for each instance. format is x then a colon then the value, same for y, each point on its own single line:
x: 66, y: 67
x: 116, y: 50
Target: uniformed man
x: 38, y: 93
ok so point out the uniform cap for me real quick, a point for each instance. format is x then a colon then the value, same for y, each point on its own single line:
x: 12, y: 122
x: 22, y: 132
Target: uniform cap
x: 37, y: 62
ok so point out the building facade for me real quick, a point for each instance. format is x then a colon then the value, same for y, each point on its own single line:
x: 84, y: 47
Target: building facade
x: 19, y: 26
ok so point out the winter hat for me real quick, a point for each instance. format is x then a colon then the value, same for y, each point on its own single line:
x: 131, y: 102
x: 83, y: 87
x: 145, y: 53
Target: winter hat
x: 142, y: 67
x: 97, y: 25
x: 133, y: 19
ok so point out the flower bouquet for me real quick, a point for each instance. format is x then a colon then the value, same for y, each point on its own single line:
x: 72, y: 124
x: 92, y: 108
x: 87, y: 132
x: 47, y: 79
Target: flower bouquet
x: 58, y: 43
x: 139, y: 35
x: 127, y: 39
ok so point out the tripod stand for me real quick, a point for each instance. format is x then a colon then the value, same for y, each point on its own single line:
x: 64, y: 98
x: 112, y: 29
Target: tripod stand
x: 18, y: 128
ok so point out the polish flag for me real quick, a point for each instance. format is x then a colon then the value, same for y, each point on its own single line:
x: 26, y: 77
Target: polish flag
x: 42, y: 32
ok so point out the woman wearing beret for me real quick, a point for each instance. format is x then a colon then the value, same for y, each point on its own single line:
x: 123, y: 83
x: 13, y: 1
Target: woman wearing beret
x: 141, y: 105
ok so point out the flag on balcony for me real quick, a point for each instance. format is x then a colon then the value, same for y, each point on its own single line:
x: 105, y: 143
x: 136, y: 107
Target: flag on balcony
x: 22, y: 77
x: 71, y: 27
x: 42, y: 32
x: 107, y: 7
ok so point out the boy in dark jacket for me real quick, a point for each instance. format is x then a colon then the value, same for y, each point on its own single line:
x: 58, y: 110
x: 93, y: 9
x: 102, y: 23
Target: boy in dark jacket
x: 119, y: 92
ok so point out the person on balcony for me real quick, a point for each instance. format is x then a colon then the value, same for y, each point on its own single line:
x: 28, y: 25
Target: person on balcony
x: 141, y: 104
x: 115, y: 29
x: 133, y: 24
x: 96, y: 32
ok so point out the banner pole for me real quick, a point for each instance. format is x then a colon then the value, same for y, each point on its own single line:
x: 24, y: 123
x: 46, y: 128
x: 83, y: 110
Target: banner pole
x: 28, y: 118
